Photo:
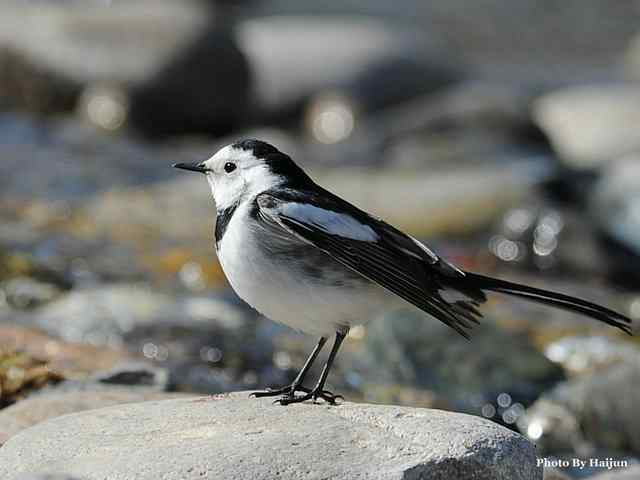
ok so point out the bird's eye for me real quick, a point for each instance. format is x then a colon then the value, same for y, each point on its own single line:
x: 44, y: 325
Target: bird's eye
x: 229, y: 167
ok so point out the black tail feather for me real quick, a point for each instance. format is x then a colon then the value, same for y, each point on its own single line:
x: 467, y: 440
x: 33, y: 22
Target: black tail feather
x: 550, y: 298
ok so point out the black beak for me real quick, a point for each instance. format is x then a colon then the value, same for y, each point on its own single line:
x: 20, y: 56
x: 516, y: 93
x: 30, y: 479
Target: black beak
x: 194, y: 167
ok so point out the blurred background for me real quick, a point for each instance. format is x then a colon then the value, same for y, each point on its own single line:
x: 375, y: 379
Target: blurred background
x: 505, y: 134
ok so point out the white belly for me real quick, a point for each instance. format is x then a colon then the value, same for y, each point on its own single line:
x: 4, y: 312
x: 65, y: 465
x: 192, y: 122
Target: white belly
x: 287, y: 296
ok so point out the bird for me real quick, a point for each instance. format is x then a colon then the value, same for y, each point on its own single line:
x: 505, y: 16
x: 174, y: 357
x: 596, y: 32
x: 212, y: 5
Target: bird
x: 302, y: 256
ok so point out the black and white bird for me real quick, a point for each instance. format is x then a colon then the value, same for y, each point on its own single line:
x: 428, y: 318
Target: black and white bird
x: 305, y: 257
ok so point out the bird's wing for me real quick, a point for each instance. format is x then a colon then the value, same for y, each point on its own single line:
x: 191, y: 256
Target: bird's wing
x: 375, y: 250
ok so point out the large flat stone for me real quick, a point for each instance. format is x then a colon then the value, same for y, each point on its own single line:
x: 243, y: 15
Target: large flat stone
x: 233, y: 436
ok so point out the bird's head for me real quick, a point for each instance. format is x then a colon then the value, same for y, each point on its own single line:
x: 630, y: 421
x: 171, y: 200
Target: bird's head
x: 245, y: 169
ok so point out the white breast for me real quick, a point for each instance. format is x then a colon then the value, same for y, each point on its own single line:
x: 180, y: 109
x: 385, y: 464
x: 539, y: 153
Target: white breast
x: 282, y: 293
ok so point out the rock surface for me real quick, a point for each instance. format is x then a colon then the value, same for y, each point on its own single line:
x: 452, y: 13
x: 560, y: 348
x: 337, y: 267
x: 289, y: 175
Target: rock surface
x: 232, y: 436
x: 38, y: 408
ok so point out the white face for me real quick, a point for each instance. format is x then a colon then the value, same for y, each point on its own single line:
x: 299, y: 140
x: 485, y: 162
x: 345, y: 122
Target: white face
x: 235, y: 174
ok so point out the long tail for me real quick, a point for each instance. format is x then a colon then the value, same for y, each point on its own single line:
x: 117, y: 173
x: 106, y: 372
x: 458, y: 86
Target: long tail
x: 550, y: 298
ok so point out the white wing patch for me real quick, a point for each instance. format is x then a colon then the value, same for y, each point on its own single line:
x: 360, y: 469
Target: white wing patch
x: 329, y: 221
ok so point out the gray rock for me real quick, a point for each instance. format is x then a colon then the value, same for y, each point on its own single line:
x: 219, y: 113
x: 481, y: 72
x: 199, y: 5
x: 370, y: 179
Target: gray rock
x: 172, y: 61
x: 586, y: 124
x: 104, y: 314
x: 326, y: 55
x: 54, y: 403
x: 587, y: 413
x: 232, y: 436
x: 36, y: 476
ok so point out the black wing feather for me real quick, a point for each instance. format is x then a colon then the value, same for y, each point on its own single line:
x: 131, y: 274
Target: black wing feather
x: 394, y: 261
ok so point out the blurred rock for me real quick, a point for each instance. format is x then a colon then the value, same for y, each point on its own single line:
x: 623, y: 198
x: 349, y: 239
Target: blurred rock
x: 70, y: 360
x: 326, y: 57
x: 332, y: 114
x: 590, y: 125
x: 24, y: 292
x: 631, y: 473
x: 530, y: 42
x: 581, y: 415
x: 38, y: 408
x: 208, y: 344
x: 27, y: 85
x: 580, y: 355
x: 135, y: 374
x: 474, y: 376
x: 255, y: 439
x: 179, y: 70
x: 554, y: 474
x: 21, y: 373
x: 106, y: 315
x: 615, y: 205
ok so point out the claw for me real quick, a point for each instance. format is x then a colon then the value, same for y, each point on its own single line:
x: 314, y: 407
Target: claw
x: 312, y: 395
x: 289, y: 390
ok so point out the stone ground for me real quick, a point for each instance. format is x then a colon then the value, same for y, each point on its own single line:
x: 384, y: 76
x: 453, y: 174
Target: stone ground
x: 233, y: 436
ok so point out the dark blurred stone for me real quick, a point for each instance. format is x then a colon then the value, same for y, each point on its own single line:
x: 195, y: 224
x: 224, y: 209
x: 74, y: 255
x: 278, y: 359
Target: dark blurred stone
x: 409, y: 348
x: 615, y: 203
x: 25, y: 292
x: 587, y: 413
x: 26, y: 85
x: 178, y: 69
x: 133, y: 374
x: 204, y: 89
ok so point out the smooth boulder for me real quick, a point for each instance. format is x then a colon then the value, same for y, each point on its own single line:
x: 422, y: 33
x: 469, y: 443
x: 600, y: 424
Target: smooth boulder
x: 233, y: 436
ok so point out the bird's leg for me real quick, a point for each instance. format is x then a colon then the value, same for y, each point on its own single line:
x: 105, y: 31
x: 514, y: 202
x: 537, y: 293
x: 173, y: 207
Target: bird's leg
x: 318, y: 391
x: 290, y: 390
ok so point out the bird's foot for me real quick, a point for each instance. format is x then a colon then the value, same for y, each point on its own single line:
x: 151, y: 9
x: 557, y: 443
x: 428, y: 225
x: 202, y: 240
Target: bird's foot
x: 314, y: 395
x: 289, y: 390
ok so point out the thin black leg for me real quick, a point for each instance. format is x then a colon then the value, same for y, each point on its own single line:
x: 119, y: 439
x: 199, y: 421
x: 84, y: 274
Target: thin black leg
x: 318, y: 391
x: 290, y: 390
